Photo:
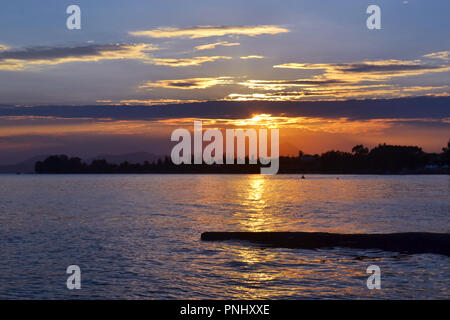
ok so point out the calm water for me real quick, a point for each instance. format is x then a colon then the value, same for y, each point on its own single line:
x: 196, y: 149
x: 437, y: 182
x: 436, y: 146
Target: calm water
x: 138, y: 236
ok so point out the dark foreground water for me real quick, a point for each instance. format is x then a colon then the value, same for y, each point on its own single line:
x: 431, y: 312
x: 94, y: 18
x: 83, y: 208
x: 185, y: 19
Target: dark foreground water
x: 138, y: 236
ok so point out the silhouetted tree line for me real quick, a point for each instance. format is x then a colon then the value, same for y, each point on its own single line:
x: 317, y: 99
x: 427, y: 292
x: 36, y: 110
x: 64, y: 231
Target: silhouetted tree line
x: 383, y: 159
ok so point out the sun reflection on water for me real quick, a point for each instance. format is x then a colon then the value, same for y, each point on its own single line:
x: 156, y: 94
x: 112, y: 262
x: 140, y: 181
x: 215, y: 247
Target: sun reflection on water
x: 255, y: 214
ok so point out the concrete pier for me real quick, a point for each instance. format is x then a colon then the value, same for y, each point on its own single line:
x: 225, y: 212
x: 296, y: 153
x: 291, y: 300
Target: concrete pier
x: 410, y: 242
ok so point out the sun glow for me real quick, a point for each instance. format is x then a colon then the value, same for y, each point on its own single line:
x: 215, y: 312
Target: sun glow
x: 257, y: 120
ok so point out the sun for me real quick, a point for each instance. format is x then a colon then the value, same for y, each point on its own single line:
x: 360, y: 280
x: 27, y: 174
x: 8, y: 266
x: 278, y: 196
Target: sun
x: 260, y: 120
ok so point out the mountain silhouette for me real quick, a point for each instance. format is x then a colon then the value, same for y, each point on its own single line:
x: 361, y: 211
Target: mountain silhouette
x: 26, y: 166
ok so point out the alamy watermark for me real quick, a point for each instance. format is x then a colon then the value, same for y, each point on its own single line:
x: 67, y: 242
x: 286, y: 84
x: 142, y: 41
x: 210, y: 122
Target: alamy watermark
x: 73, y: 22
x: 374, y: 20
x: 374, y: 280
x: 213, y: 152
x: 74, y: 280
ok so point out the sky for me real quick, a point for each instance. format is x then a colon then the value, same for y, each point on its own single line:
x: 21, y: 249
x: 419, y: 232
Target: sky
x: 160, y: 64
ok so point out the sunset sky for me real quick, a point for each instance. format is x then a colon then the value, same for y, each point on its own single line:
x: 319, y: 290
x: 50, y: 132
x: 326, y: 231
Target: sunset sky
x: 138, y: 69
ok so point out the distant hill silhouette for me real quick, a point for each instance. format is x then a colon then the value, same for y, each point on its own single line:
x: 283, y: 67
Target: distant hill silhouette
x: 26, y: 166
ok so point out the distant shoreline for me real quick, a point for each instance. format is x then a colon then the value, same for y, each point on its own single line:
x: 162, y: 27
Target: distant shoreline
x: 237, y: 173
x: 383, y: 159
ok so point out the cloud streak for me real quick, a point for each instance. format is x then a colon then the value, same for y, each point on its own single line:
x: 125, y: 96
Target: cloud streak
x: 281, y: 84
x: 188, y: 84
x: 32, y: 58
x: 210, y: 46
x: 209, y: 31
x: 185, y: 62
x: 252, y: 57
x: 335, y: 93
x: 443, y: 55
x: 368, y: 71
x: 19, y: 60
x: 146, y: 102
x: 340, y: 81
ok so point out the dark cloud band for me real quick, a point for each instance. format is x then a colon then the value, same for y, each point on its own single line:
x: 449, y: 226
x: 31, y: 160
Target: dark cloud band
x: 406, y: 108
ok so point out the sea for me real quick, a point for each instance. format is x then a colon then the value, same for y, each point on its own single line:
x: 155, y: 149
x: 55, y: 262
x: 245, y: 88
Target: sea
x: 138, y: 236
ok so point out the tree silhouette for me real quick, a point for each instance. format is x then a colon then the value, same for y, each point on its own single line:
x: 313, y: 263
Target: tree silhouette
x: 446, y: 154
x: 360, y: 150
